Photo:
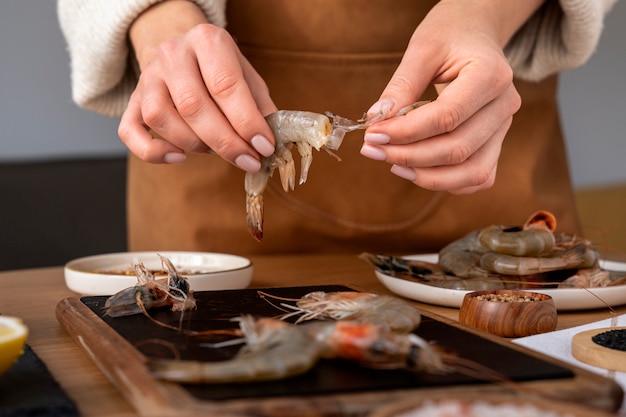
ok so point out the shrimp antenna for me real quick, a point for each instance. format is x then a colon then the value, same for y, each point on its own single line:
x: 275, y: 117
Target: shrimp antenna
x: 279, y: 306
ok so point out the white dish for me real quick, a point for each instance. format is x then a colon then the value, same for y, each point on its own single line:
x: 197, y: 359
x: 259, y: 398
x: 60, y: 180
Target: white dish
x: 205, y: 271
x: 564, y: 298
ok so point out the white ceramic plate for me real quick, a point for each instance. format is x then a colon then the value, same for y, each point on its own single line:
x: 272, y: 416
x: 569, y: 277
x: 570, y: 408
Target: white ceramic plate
x: 564, y: 298
x: 205, y: 271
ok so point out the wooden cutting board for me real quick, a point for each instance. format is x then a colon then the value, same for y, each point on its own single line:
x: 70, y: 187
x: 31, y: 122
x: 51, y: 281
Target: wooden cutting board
x: 120, y: 347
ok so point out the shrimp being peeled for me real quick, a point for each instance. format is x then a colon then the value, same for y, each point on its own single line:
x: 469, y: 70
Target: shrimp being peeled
x: 305, y: 130
x: 151, y: 293
x: 276, y: 349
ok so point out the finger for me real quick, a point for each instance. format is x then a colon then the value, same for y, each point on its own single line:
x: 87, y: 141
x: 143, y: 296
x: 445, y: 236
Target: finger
x: 160, y: 115
x: 231, y: 92
x: 196, y: 108
x: 449, y: 148
x: 258, y: 88
x: 410, y: 80
x: 138, y: 139
x: 477, y: 172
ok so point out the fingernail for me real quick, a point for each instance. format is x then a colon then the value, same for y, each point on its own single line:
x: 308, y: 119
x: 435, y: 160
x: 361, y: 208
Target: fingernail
x: 262, y: 145
x: 404, y: 172
x: 373, y: 152
x: 382, y: 106
x: 376, y: 138
x: 174, y: 158
x: 247, y: 163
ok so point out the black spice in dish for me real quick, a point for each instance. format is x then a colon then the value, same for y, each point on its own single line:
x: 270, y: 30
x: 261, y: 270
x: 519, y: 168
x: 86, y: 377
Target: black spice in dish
x: 612, y: 339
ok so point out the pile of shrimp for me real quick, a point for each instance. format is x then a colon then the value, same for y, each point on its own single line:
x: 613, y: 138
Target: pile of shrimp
x: 373, y: 330
x: 499, y: 257
x: 306, y: 130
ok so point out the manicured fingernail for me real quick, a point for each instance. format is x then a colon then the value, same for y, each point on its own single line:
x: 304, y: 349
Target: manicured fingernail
x: 382, y: 106
x: 404, y: 172
x: 262, y: 145
x: 174, y: 158
x: 373, y: 152
x: 247, y: 163
x: 377, y: 138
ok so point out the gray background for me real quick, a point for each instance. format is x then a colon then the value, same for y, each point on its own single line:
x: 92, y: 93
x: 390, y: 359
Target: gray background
x: 38, y: 120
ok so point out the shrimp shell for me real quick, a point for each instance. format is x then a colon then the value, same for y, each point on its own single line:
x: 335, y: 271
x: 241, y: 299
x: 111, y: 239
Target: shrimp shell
x: 151, y: 293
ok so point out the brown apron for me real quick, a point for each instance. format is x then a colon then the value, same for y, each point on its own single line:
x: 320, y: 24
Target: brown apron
x: 338, y: 55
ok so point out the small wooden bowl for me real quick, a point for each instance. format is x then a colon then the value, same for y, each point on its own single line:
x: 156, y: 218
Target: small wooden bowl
x: 487, y: 310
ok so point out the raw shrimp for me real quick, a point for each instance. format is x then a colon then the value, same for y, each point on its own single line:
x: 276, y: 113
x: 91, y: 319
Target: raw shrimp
x: 432, y: 274
x: 577, y: 257
x: 382, y: 310
x: 461, y: 258
x: 534, y: 238
x: 594, y: 277
x: 152, y: 293
x: 276, y: 349
x: 306, y: 130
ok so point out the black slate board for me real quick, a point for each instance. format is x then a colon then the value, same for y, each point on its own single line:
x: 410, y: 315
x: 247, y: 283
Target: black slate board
x: 28, y: 389
x: 215, y: 309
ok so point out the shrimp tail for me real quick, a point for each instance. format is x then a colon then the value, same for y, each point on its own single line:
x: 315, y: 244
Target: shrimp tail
x: 255, y: 183
x: 426, y: 357
x: 254, y: 209
x: 541, y: 220
x: 580, y: 256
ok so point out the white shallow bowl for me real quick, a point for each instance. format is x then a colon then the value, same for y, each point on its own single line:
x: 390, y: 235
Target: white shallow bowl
x: 205, y: 271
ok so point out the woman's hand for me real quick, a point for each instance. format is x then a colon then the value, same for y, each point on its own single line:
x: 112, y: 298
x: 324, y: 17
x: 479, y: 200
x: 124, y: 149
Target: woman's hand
x: 453, y: 143
x: 196, y: 92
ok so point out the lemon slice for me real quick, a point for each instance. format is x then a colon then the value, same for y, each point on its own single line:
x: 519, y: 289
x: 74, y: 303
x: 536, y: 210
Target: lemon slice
x: 13, y: 334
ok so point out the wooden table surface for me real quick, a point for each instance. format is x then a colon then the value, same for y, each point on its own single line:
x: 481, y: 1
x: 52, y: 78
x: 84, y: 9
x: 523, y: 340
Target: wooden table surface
x: 33, y: 294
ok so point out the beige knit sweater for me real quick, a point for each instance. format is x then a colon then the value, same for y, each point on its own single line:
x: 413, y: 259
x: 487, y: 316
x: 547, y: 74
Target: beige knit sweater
x: 562, y: 35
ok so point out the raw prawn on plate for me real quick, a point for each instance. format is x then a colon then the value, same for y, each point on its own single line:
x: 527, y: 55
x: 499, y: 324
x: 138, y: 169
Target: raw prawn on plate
x: 530, y: 256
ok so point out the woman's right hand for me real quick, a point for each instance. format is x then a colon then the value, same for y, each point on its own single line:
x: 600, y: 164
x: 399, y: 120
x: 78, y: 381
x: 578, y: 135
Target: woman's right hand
x: 196, y: 92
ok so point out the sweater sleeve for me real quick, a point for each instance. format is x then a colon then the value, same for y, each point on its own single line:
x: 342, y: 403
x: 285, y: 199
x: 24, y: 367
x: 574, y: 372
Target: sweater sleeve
x: 561, y: 35
x: 96, y: 32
